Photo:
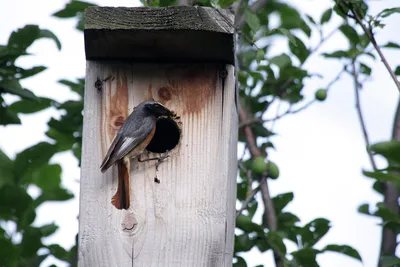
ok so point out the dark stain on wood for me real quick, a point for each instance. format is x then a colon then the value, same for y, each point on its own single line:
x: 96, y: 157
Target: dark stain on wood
x: 199, y: 86
x: 118, y: 105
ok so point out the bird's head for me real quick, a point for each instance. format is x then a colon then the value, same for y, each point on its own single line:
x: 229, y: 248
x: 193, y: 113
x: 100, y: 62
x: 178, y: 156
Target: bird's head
x: 157, y: 109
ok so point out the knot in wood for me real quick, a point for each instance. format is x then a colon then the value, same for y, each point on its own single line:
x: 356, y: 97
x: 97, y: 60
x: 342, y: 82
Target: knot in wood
x: 223, y: 73
x: 129, y: 222
x: 164, y: 93
x: 118, y: 121
x: 98, y: 84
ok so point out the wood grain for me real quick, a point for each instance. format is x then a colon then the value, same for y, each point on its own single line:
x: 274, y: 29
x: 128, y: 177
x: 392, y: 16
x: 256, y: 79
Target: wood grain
x: 173, y: 34
x: 188, y: 218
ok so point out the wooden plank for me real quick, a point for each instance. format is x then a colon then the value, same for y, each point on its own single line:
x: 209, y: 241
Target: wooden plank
x: 169, y: 34
x: 188, y: 218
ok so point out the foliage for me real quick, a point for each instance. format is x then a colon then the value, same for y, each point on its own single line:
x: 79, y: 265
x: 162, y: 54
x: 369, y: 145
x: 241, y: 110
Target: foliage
x: 32, y: 167
x: 264, y: 79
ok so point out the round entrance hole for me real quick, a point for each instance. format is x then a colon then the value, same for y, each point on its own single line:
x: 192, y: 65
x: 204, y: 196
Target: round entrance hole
x: 166, y: 137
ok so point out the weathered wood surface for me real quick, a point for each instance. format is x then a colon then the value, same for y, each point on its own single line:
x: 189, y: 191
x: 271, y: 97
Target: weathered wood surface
x: 173, y: 34
x: 188, y: 218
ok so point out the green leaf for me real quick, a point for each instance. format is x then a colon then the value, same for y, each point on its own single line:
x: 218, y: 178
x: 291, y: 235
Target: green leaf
x: 58, y: 252
x: 33, y: 157
x: 8, y: 117
x: 388, y: 11
x: 299, y: 50
x: 281, y: 61
x: 287, y: 219
x: 262, y: 243
x: 47, y: 177
x: 390, y: 261
x: 282, y: 200
x: 390, y: 150
x: 31, y: 72
x: 28, y: 106
x: 292, y: 39
x: 55, y: 194
x: 50, y: 35
x: 397, y: 71
x: 350, y: 33
x: 8, y: 253
x: 72, y: 9
x: 244, y: 222
x: 39, y: 259
x: 21, y: 39
x: 31, y: 242
x: 291, y: 18
x: 252, y: 20
x: 365, y: 69
x: 24, y: 93
x: 275, y: 240
x: 386, y: 214
x: 260, y: 55
x: 337, y: 54
x: 222, y: 3
x: 48, y: 229
x: 311, y: 19
x: 260, y: 130
x: 14, y: 87
x: 391, y: 45
x: 314, y: 231
x: 78, y: 87
x: 26, y: 219
x: 306, y: 257
x: 14, y: 201
x: 378, y: 187
x: 326, y: 16
x: 6, y: 167
x: 244, y: 243
x: 364, y: 209
x: 344, y: 249
x: 393, y: 225
x: 240, y: 262
x: 383, y: 177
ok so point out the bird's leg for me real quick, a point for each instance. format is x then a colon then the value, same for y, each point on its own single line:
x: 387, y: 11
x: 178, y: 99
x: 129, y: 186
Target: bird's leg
x: 144, y: 160
x: 159, y: 160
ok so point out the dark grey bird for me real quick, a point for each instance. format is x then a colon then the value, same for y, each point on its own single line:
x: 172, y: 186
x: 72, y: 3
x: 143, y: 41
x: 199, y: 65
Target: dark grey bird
x: 131, y: 141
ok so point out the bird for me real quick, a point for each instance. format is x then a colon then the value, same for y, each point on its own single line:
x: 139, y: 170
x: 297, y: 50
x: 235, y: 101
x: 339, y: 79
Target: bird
x: 130, y: 142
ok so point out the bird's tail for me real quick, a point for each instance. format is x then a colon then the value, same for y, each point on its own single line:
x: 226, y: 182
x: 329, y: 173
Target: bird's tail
x: 121, y: 199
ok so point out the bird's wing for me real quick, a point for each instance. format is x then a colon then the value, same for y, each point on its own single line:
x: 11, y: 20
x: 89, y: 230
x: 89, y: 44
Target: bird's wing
x: 128, y: 138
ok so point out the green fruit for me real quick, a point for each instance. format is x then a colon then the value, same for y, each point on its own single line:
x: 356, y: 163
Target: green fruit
x: 273, y: 170
x: 258, y: 166
x: 321, y: 94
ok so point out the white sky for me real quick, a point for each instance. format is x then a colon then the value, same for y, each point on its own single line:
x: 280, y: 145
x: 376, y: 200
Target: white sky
x: 320, y: 151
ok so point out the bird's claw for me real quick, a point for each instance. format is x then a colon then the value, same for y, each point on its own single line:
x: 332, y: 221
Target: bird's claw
x: 160, y: 160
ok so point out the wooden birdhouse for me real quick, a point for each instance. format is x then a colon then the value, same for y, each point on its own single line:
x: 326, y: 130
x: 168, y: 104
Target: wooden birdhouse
x: 183, y: 212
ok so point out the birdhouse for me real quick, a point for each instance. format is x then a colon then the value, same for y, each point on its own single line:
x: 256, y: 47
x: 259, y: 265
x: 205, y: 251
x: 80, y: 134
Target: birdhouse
x: 181, y: 210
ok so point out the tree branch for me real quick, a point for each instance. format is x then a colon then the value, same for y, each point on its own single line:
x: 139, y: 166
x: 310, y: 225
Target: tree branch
x: 240, y: 16
x: 290, y: 110
x: 357, y: 88
x: 391, y: 196
x: 270, y: 219
x: 247, y: 200
x: 390, y: 192
x: 371, y: 37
